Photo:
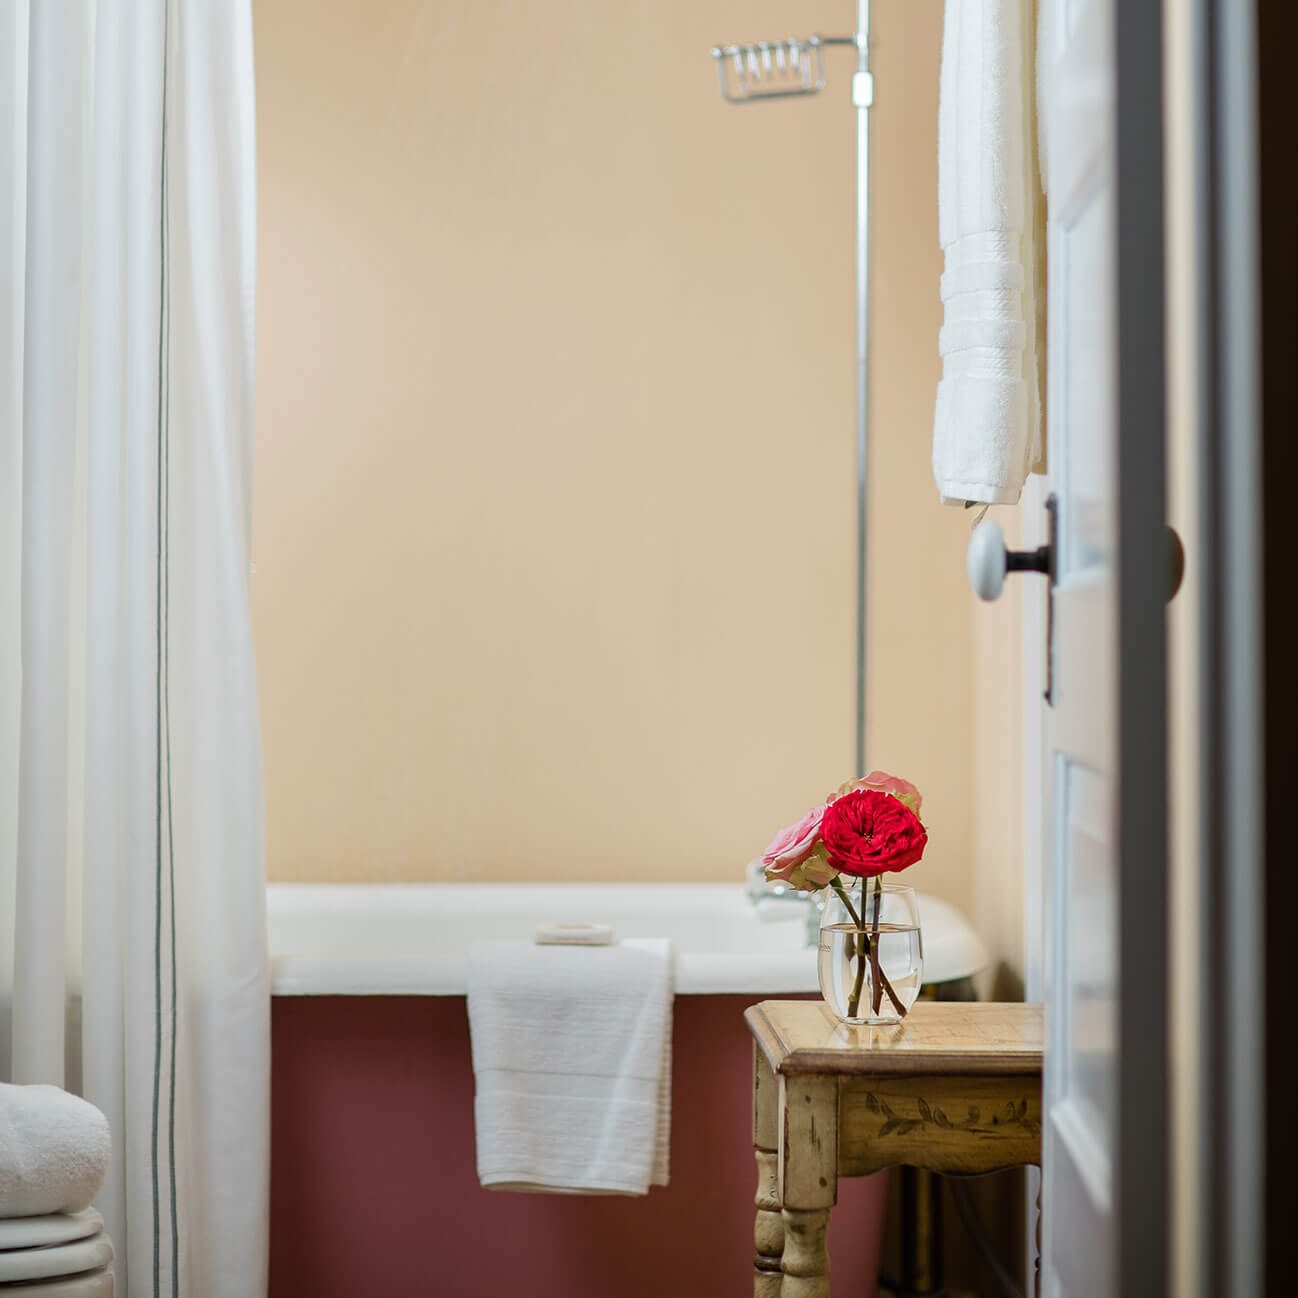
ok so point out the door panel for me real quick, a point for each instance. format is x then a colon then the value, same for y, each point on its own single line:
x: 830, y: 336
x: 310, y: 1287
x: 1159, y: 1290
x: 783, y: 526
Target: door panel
x: 1078, y: 1253
x: 1087, y: 968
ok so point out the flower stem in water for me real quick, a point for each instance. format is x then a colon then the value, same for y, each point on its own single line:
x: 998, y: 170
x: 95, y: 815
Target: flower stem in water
x: 866, y: 950
x: 876, y: 983
x: 862, y: 944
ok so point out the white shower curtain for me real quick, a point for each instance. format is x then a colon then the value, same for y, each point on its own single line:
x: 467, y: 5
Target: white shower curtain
x: 132, y: 914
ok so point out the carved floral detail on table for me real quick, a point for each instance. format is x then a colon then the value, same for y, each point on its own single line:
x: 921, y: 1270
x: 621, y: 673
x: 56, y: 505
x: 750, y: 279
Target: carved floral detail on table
x: 1013, y: 1114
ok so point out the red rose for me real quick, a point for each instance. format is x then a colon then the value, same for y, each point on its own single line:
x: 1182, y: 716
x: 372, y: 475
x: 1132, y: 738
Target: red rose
x: 867, y: 833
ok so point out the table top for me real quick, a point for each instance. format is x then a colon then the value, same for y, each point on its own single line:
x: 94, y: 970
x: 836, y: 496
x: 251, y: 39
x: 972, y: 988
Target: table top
x: 973, y: 1038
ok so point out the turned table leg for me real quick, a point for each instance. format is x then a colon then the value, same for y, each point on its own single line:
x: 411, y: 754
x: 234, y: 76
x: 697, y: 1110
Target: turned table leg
x: 768, y: 1233
x: 1036, y: 1278
x: 806, y: 1259
x: 808, y: 1181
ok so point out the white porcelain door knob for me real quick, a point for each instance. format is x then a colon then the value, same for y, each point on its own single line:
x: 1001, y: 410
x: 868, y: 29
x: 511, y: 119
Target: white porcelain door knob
x: 986, y: 560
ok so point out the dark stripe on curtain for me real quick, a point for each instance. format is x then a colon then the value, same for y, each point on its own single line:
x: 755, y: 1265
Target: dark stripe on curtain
x: 166, y: 689
x: 163, y: 731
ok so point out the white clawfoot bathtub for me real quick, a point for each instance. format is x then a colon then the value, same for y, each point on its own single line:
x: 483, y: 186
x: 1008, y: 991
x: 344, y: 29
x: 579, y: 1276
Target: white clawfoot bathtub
x: 413, y: 939
x: 373, y: 1090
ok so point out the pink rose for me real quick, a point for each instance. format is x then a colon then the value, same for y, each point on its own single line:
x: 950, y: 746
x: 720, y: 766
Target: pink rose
x: 903, y: 790
x: 793, y: 844
x: 810, y: 876
x: 796, y: 856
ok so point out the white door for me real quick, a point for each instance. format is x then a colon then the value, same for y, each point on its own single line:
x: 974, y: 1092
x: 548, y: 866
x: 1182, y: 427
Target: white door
x: 1080, y: 742
x: 1097, y: 894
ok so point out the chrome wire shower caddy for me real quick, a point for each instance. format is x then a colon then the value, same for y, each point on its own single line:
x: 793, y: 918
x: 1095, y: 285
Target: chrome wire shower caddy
x: 789, y: 69
x: 774, y: 69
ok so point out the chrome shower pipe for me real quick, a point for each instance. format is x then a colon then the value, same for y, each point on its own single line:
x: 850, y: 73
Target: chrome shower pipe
x: 742, y: 70
x: 862, y: 98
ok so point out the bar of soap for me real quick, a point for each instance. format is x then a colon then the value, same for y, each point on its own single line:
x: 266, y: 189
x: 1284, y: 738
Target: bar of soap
x: 575, y: 935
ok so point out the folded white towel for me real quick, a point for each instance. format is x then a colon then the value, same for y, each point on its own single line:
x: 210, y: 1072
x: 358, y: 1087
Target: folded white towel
x: 986, y: 428
x: 572, y: 1062
x: 54, y: 1151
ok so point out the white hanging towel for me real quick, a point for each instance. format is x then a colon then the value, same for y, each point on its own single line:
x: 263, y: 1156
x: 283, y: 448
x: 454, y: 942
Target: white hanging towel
x: 986, y: 428
x: 572, y: 1064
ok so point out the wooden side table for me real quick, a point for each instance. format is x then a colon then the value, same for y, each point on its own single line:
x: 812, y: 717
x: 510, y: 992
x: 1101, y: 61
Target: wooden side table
x: 955, y: 1088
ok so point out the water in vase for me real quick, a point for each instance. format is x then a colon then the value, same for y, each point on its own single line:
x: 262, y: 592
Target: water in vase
x: 849, y: 957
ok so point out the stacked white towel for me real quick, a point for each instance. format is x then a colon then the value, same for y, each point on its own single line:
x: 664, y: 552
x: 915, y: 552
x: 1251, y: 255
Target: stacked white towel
x: 986, y: 429
x: 54, y: 1151
x: 572, y: 1060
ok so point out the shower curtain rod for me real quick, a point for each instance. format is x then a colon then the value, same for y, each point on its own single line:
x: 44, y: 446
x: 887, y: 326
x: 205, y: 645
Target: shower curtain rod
x: 788, y: 69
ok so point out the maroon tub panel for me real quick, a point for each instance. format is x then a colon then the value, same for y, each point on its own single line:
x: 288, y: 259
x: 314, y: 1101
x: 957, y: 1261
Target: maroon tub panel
x: 374, y: 1193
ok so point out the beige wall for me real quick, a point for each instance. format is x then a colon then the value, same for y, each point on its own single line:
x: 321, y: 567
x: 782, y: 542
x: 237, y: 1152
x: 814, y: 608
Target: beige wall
x: 996, y: 815
x: 553, y: 531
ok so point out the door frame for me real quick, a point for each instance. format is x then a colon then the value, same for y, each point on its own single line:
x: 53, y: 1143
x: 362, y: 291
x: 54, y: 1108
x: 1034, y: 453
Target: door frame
x: 1277, y: 126
x: 1231, y: 730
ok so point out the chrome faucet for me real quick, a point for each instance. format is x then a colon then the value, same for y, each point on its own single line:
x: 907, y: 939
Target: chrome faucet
x: 777, y: 900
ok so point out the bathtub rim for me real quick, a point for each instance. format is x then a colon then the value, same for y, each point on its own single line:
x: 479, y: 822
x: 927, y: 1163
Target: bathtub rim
x: 953, y: 951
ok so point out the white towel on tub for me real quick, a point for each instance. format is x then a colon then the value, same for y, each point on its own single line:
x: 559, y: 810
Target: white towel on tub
x: 572, y: 1065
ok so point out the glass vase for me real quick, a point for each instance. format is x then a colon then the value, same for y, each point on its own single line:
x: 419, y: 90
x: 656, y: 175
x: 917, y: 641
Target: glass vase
x: 871, y: 951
